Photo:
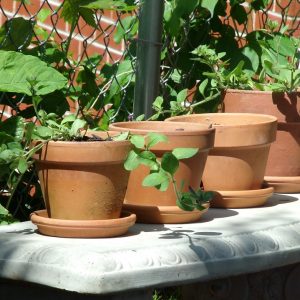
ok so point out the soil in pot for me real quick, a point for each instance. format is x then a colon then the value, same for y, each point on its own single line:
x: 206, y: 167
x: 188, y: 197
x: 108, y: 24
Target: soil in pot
x: 180, y: 135
x: 238, y: 160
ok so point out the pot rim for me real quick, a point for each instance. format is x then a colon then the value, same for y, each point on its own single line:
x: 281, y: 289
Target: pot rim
x: 239, y: 91
x: 191, y: 128
x: 266, y: 119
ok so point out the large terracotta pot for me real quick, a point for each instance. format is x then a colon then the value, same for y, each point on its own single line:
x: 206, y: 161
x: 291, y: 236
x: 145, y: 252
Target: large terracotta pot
x: 284, y: 160
x: 238, y: 159
x: 83, y: 180
x: 180, y: 135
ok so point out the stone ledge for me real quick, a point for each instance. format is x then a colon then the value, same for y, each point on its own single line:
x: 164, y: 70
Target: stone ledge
x: 225, y: 243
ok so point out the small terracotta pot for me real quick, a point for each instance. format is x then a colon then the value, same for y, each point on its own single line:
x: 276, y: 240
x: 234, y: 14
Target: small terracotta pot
x: 180, y: 135
x: 238, y: 159
x: 284, y: 158
x: 83, y: 180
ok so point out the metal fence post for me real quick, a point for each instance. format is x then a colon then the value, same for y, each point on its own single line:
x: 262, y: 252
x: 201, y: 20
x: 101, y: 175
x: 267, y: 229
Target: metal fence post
x: 148, y: 56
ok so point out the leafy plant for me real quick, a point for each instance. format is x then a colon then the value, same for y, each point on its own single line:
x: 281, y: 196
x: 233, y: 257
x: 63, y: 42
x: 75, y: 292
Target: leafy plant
x: 16, y: 152
x: 274, y: 65
x: 162, y: 171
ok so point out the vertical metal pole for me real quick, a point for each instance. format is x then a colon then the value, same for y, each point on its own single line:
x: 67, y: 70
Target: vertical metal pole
x: 148, y: 56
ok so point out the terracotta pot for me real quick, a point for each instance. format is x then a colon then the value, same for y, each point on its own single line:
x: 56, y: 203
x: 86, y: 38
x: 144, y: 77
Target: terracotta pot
x: 83, y: 180
x: 238, y: 159
x: 284, y: 158
x: 180, y: 135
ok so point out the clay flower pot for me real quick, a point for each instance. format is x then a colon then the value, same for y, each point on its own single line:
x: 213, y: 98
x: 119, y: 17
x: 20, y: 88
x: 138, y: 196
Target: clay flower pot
x: 238, y: 160
x: 283, y: 167
x: 83, y: 180
x: 180, y: 135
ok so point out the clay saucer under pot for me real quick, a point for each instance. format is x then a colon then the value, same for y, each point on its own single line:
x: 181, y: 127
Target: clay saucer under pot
x: 241, y: 199
x: 284, y: 184
x: 82, y: 228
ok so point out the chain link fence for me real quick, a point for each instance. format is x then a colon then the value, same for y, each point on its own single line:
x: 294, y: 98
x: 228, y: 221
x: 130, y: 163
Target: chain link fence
x: 92, y: 47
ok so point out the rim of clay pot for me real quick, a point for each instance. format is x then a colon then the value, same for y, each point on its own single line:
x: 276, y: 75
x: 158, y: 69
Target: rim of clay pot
x: 237, y: 91
x: 237, y: 129
x: 84, y: 151
x: 238, y: 118
x: 163, y: 127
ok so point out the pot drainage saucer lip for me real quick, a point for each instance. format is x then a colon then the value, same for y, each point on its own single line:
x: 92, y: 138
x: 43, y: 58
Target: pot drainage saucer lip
x: 241, y: 199
x: 82, y: 228
x: 283, y: 184
x: 164, y: 214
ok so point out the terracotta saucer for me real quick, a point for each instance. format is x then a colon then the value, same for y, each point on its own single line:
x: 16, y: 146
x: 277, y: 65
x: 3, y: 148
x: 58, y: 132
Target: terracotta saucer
x: 287, y: 184
x: 241, y: 199
x: 82, y: 229
x: 163, y: 214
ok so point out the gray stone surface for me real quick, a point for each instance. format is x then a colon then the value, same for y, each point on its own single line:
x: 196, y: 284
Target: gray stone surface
x: 225, y: 243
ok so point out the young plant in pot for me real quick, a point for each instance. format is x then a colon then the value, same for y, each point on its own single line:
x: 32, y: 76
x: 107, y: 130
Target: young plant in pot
x: 263, y: 77
x: 81, y: 173
x: 178, y: 155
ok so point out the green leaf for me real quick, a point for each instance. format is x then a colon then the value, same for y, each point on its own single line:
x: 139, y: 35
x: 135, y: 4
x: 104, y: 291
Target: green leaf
x: 123, y: 136
x: 121, y: 77
x: 140, y: 118
x: 43, y: 14
x: 169, y: 163
x: 3, y: 210
x: 22, y: 165
x: 68, y: 119
x: 238, y: 13
x: 16, y: 33
x: 77, y: 126
x: 183, y: 153
x: 110, y: 5
x: 14, y: 126
x: 164, y: 186
x: 181, y: 97
x: 5, y: 138
x: 157, y: 104
x: 203, y: 86
x: 131, y: 161
x: 209, y: 5
x: 155, y: 179
x: 153, y: 138
x: 42, y: 132
x: 138, y: 141
x: 148, y: 155
x: 24, y: 74
x: 185, y: 202
x: 252, y: 61
x: 29, y: 128
x: 88, y: 16
x: 126, y: 29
